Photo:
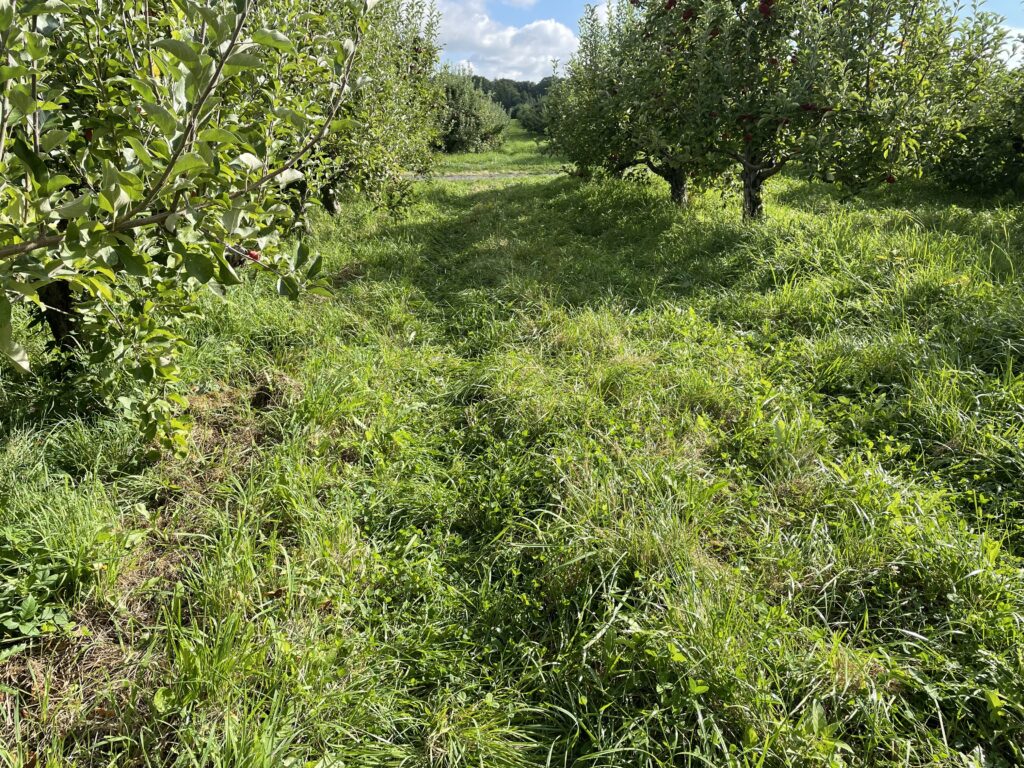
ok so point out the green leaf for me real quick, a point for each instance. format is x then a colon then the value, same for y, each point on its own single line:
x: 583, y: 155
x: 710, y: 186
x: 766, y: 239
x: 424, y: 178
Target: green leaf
x: 219, y: 135
x: 113, y: 198
x: 271, y: 38
x: 75, y: 208
x: 140, y: 151
x: 58, y: 182
x: 21, y: 97
x: 186, y: 163
x: 289, y: 176
x: 179, y: 49
x: 199, y: 266
x: 163, y: 700
x: 164, y: 120
x: 11, y: 350
x: 243, y: 60
x: 213, y: 21
x: 226, y: 273
x: 142, y: 88
x: 250, y: 161
x: 288, y: 285
x: 314, y: 268
x: 133, y: 262
x: 52, y: 139
x: 33, y: 163
x: 337, y: 126
x: 6, y: 14
x: 697, y: 687
x: 301, y: 255
x: 232, y: 218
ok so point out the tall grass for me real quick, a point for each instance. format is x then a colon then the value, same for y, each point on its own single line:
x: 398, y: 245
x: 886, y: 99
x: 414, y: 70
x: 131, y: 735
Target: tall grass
x: 561, y: 477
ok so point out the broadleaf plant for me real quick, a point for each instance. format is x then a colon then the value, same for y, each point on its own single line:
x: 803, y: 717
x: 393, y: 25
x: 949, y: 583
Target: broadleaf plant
x: 149, y: 148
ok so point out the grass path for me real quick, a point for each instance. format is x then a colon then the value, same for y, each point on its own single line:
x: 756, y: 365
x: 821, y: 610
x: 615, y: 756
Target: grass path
x: 562, y: 476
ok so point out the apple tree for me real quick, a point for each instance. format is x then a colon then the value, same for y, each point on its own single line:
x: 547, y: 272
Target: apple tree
x: 149, y: 148
x: 854, y: 91
x: 588, y: 108
x: 987, y: 154
x: 396, y: 108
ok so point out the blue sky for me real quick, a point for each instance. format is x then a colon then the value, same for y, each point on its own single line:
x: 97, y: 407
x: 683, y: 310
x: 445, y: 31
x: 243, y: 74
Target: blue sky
x: 1013, y: 10
x: 520, y: 13
x: 518, y: 38
x: 509, y: 38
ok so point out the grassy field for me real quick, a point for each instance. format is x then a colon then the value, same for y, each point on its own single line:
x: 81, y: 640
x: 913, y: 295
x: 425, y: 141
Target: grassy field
x: 520, y: 154
x: 563, y: 476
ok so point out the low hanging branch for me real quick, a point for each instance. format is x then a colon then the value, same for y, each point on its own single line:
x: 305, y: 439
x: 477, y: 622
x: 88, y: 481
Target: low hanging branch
x: 132, y: 221
x: 189, y: 132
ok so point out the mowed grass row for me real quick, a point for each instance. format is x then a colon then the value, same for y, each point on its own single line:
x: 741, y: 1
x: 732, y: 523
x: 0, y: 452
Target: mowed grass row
x: 521, y: 153
x: 564, y: 477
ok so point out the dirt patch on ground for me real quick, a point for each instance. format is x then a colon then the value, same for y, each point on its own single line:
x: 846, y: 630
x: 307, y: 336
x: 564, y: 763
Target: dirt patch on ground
x: 88, y: 685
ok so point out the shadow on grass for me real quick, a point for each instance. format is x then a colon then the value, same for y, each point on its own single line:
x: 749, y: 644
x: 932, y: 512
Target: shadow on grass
x: 587, y: 244
x: 579, y: 243
x: 934, y: 206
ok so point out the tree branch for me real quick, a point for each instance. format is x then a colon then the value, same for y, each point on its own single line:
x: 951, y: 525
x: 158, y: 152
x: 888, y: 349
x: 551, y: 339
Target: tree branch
x: 128, y: 224
x: 193, y: 118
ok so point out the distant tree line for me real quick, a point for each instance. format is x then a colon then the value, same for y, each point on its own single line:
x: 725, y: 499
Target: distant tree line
x: 523, y: 100
x: 512, y: 94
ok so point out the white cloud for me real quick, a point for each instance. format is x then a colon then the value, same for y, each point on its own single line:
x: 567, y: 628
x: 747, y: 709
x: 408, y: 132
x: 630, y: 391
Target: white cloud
x: 493, y: 49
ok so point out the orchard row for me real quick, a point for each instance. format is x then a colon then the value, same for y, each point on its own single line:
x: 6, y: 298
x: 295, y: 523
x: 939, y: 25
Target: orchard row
x: 857, y: 92
x: 153, y: 148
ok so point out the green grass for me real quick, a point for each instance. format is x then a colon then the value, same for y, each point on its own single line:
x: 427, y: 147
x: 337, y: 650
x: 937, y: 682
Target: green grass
x: 519, y: 154
x: 561, y: 477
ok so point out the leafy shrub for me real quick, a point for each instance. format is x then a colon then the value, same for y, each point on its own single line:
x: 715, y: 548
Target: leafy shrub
x: 989, y: 155
x: 533, y: 117
x: 471, y: 121
x: 151, y: 148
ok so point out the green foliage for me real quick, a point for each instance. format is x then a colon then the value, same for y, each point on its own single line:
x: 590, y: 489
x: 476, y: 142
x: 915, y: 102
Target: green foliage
x: 471, y: 121
x: 524, y: 101
x: 585, y: 107
x: 533, y: 117
x: 560, y: 476
x: 147, y: 150
x: 397, y: 108
x: 514, y: 93
x: 989, y: 154
x: 861, y: 92
x: 34, y: 583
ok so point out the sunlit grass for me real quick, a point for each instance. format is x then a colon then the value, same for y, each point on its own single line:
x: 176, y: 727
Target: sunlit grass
x: 563, y: 476
x: 519, y: 154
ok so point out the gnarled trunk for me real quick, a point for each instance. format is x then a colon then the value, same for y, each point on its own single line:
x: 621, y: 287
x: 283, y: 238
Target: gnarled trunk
x: 678, y: 181
x: 679, y: 188
x: 753, y: 201
x: 60, y: 315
